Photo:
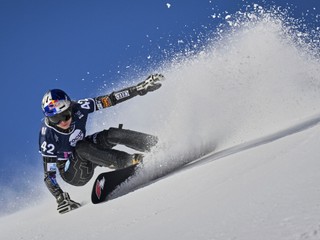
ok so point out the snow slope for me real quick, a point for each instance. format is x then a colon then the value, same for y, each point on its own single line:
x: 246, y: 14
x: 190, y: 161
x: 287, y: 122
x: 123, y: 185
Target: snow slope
x: 268, y: 192
x: 245, y: 106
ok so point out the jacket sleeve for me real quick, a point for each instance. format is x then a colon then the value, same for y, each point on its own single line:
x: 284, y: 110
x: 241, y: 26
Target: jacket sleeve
x: 116, y: 97
x: 150, y: 84
x: 50, y: 180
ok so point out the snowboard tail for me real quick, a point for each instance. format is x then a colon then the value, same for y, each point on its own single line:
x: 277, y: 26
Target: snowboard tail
x: 107, y: 182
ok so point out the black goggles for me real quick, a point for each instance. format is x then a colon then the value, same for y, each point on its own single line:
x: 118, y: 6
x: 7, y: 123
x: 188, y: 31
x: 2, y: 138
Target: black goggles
x: 61, y: 117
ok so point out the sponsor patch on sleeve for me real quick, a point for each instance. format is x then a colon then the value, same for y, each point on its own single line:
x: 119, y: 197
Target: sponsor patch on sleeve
x: 103, y: 102
x: 106, y: 102
x: 121, y: 95
x: 51, y: 167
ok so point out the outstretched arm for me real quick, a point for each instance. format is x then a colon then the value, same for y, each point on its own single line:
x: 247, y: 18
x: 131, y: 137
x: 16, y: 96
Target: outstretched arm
x: 152, y: 83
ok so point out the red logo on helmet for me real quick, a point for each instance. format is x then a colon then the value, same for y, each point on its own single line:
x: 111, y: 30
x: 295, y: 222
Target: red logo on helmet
x: 52, y: 104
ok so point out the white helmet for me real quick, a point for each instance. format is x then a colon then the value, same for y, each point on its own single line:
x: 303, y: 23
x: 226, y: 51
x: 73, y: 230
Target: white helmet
x: 54, y: 102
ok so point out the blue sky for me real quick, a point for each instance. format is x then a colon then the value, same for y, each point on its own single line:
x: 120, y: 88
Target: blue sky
x: 81, y: 46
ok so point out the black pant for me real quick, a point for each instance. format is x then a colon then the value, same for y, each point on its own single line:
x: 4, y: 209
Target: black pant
x: 96, y: 150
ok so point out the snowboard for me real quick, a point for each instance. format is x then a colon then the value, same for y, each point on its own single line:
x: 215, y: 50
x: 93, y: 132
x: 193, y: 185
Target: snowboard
x: 107, y: 182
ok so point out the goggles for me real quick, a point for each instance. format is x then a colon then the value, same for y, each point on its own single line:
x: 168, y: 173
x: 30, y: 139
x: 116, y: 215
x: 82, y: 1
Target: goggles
x: 61, y: 117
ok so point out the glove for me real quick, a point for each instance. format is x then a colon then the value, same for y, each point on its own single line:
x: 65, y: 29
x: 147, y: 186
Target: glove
x: 65, y: 204
x: 152, y: 83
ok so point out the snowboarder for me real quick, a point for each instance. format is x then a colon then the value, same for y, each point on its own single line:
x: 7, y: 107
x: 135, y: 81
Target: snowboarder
x: 65, y: 147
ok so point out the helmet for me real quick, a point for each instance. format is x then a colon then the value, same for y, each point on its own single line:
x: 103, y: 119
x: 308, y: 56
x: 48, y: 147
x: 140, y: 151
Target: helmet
x: 55, y: 101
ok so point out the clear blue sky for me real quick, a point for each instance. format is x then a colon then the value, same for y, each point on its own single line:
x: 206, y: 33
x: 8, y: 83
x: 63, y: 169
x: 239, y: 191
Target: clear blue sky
x: 81, y: 45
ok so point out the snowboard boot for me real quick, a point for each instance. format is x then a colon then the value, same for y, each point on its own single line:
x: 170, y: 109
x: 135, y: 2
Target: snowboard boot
x: 137, y: 158
x: 134, y: 160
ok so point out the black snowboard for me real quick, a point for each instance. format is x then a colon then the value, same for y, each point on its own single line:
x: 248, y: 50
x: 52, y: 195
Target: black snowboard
x: 107, y: 182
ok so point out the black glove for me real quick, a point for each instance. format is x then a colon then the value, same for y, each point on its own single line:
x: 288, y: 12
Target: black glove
x: 152, y: 83
x: 65, y: 204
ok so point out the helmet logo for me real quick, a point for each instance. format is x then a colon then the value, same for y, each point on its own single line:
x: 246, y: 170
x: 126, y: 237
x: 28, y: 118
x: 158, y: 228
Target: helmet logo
x: 53, y: 104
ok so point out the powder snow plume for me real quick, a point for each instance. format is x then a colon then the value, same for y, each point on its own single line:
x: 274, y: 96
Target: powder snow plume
x: 258, y: 72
